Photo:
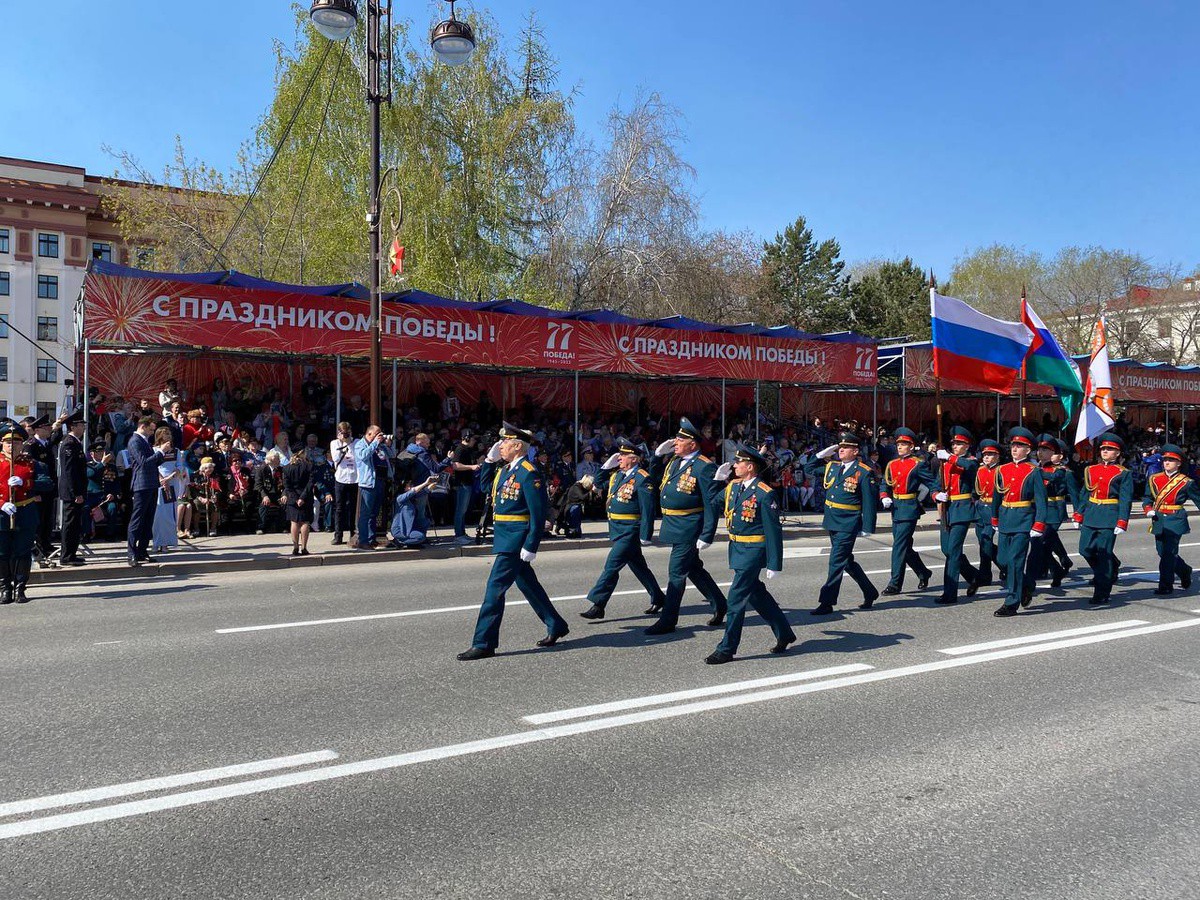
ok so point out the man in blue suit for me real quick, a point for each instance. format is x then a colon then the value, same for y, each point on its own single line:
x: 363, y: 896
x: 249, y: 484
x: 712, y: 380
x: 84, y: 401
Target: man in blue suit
x: 144, y: 488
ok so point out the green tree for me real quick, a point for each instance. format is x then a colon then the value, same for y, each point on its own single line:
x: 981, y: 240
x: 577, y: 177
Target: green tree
x: 892, y: 301
x: 803, y: 281
x: 991, y: 278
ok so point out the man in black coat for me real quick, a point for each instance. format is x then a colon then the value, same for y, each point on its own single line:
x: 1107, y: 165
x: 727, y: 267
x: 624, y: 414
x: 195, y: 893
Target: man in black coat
x: 42, y: 447
x: 72, y: 488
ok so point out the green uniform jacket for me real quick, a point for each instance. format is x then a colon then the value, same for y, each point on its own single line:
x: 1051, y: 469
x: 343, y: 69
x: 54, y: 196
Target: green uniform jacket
x: 519, y: 505
x: 1106, y: 498
x: 851, y: 497
x: 688, y: 497
x: 752, y: 517
x: 1019, y: 502
x: 630, y: 504
x: 956, y: 476
x: 901, y: 478
x: 1168, y: 496
x: 1061, y: 486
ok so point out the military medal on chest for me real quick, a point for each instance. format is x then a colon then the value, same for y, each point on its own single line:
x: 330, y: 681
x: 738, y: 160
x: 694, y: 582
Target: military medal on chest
x: 686, y: 483
x: 750, y: 508
x: 625, y: 491
x: 511, y: 489
x: 850, y: 484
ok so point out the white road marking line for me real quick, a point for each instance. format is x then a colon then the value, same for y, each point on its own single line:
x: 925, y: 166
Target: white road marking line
x: 582, y: 712
x: 75, y: 798
x: 102, y: 643
x: 343, y: 770
x: 1034, y: 638
x: 888, y: 571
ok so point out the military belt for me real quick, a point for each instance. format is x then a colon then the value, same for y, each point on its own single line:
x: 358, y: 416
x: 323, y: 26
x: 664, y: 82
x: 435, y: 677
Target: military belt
x: 904, y: 496
x: 24, y: 502
x: 748, y: 538
x: 986, y: 498
x: 850, y: 506
x: 1110, y: 500
x: 500, y: 517
x: 960, y: 496
x: 682, y: 512
x: 1056, y: 499
x: 1170, y: 508
x: 1017, y: 503
x: 624, y: 517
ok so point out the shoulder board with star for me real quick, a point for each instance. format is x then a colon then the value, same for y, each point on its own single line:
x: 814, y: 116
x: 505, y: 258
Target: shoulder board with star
x: 765, y: 488
x: 527, y: 465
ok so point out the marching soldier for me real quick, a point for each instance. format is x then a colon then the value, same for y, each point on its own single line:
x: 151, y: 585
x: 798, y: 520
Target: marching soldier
x: 755, y: 543
x: 688, y: 501
x: 985, y: 488
x: 18, y: 513
x: 630, y: 509
x: 519, y: 503
x: 901, y: 479
x: 1103, y: 513
x: 850, y: 509
x: 1169, y: 490
x: 1049, y: 556
x: 1019, y: 513
x: 955, y: 481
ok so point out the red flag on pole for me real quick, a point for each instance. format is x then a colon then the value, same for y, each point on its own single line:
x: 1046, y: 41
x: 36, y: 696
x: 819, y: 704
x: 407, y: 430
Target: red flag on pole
x: 396, y: 255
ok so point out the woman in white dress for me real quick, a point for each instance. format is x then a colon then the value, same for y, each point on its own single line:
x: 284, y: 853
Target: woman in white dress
x: 172, y: 481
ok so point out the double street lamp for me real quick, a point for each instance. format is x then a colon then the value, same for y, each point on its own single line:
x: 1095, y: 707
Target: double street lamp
x: 452, y: 42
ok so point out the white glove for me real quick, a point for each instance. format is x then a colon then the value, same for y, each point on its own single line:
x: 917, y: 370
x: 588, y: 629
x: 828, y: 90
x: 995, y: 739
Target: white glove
x: 667, y: 446
x: 887, y: 502
x: 941, y: 496
x: 527, y: 556
x: 724, y: 470
x: 828, y: 452
x: 943, y: 454
x: 16, y: 481
x: 703, y: 545
x: 8, y: 509
x: 493, y: 454
x: 611, y: 462
x: 1074, y: 525
x: 1150, y: 513
x: 864, y: 534
x: 771, y: 573
x: 647, y: 543
x: 1034, y: 533
x: 1118, y: 530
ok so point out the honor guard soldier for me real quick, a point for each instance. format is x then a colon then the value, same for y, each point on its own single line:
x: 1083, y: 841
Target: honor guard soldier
x: 1049, y: 556
x: 851, y: 496
x: 985, y: 488
x: 688, y: 497
x: 519, y: 503
x: 18, y: 513
x: 41, y: 447
x: 901, y: 479
x: 1103, y: 513
x: 1169, y: 490
x: 630, y: 510
x: 954, y: 485
x: 1019, y: 514
x: 755, y: 543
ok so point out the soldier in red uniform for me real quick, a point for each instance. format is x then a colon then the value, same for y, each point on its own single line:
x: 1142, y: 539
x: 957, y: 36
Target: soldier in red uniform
x: 1103, y: 513
x: 18, y: 514
x: 985, y: 488
x: 1019, y: 514
x: 902, y: 478
x: 1169, y: 490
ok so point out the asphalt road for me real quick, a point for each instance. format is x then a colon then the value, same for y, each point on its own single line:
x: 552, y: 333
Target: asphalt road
x: 869, y: 762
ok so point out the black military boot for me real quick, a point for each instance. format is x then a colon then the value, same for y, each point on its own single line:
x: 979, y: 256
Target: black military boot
x: 21, y: 569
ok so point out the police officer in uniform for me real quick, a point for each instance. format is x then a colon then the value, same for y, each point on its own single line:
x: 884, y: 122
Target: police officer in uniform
x: 755, y: 543
x: 18, y: 513
x: 954, y: 492
x: 688, y: 497
x: 1103, y: 513
x: 1169, y: 490
x: 901, y: 479
x: 1019, y: 514
x: 985, y: 488
x: 1048, y: 556
x: 630, y: 510
x: 519, y: 503
x: 851, y: 496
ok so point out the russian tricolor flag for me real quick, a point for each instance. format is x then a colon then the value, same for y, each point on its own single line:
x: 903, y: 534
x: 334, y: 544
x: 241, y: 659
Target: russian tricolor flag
x: 969, y: 346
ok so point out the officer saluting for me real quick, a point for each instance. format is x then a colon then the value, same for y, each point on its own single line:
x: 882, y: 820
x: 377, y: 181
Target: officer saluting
x: 851, y: 496
x: 18, y: 513
x: 1169, y: 490
x: 688, y: 499
x: 985, y: 489
x: 901, y: 478
x: 630, y: 510
x: 955, y: 481
x: 755, y: 543
x: 519, y: 504
x: 1103, y: 513
x: 1019, y: 513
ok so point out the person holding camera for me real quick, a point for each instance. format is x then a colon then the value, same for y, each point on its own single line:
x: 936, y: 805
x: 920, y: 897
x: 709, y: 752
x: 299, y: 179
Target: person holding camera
x: 408, y: 528
x: 463, y: 461
x: 370, y: 490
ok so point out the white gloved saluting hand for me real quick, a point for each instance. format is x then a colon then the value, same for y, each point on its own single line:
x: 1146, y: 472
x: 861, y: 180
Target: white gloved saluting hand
x: 724, y: 470
x: 666, y: 447
x: 943, y: 454
x: 611, y: 462
x: 828, y: 452
x: 493, y: 454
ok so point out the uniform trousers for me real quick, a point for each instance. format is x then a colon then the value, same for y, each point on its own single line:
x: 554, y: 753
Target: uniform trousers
x: 1169, y: 563
x: 1042, y: 559
x: 986, y: 535
x: 1096, y: 546
x: 626, y: 550
x: 141, y: 521
x: 953, y: 539
x: 748, y: 589
x: 903, y: 554
x: 1014, y: 550
x: 45, y: 525
x: 72, y: 527
x: 509, y: 569
x: 841, y: 561
x: 685, y: 565
x: 17, y: 537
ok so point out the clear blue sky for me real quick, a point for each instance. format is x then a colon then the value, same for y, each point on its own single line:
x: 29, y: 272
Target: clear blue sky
x: 922, y: 129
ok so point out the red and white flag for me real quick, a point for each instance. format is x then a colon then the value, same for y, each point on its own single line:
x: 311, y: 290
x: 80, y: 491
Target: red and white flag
x: 1098, y: 414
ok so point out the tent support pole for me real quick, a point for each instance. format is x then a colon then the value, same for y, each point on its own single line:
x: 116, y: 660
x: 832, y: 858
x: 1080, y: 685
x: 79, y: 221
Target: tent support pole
x: 87, y: 384
x: 874, y: 413
x: 395, y: 405
x: 903, y: 385
x: 757, y: 416
x: 576, y: 457
x: 338, y: 366
x: 724, y: 433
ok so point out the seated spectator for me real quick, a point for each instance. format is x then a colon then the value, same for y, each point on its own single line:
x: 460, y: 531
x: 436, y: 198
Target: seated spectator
x: 103, y: 492
x: 168, y: 395
x: 409, y: 525
x: 588, y: 465
x: 195, y: 429
x: 283, y: 446
x: 268, y: 482
x: 241, y: 489
x: 207, y: 493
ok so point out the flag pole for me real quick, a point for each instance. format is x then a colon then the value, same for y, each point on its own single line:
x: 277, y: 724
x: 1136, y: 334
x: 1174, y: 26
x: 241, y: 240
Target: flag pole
x: 1021, y: 417
x: 937, y: 386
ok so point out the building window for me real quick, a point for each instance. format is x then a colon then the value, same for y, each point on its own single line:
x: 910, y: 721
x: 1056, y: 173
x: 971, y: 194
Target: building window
x: 47, y: 372
x: 47, y: 328
x: 4, y: 240
x: 3, y: 368
x: 1164, y: 328
x: 48, y: 287
x: 49, y: 410
x: 5, y: 284
x: 101, y: 251
x: 3, y: 409
x: 48, y: 245
x: 3, y: 326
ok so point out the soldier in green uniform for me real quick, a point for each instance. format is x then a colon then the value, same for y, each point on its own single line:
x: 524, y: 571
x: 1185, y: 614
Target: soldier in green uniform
x: 1103, y: 512
x: 1169, y: 490
x: 630, y: 510
x: 755, y: 543
x: 985, y: 488
x: 688, y: 497
x: 1048, y: 556
x: 954, y: 493
x: 519, y: 503
x: 1019, y: 514
x: 851, y: 497
x: 902, y: 478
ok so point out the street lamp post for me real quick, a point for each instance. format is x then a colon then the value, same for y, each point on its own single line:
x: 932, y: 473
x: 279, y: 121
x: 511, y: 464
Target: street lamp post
x: 452, y: 42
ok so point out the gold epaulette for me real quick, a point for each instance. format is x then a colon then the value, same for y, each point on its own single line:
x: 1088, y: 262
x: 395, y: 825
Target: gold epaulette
x: 703, y: 458
x: 527, y: 465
